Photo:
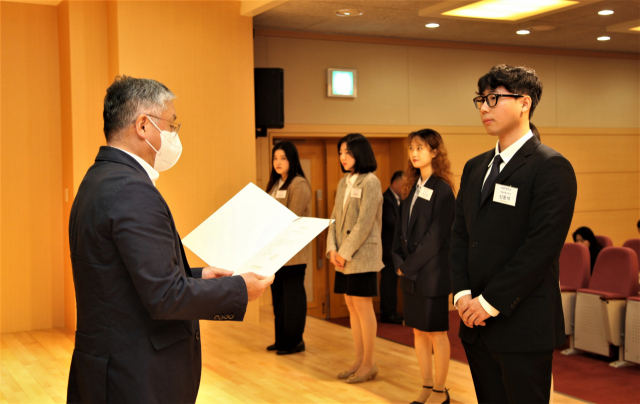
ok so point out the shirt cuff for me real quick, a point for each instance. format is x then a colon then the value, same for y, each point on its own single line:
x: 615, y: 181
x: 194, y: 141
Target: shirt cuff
x: 459, y: 295
x: 487, y: 307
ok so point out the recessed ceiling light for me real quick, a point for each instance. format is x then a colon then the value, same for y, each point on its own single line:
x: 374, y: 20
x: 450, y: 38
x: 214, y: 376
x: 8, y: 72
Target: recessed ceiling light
x: 508, y: 10
x: 543, y: 28
x: 603, y: 38
x: 635, y: 29
x: 432, y: 25
x: 605, y: 12
x: 348, y: 12
x: 523, y: 32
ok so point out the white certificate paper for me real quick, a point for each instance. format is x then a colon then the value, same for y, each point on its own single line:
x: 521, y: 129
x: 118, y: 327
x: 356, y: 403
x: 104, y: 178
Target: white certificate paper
x: 252, y: 232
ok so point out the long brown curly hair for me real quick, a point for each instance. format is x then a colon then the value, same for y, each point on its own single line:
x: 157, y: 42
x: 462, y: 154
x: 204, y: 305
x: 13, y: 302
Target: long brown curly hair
x: 440, y: 163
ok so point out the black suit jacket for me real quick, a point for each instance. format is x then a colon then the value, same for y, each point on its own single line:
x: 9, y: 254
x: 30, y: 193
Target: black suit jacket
x: 390, y: 213
x: 510, y: 254
x: 138, y: 302
x: 421, y: 244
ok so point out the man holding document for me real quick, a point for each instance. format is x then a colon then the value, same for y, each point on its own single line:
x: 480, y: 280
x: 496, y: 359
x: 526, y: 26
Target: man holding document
x: 138, y: 301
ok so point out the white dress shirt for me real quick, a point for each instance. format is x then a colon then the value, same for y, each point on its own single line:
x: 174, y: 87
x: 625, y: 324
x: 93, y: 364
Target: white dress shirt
x: 277, y: 187
x: 419, y: 186
x: 151, y: 172
x: 506, y: 155
x: 351, y: 179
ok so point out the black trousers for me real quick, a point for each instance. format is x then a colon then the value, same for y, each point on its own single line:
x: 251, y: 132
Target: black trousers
x: 289, y: 306
x: 509, y: 377
x: 388, y: 288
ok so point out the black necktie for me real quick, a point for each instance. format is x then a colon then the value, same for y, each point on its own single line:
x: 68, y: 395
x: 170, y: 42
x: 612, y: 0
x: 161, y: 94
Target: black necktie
x: 489, y: 184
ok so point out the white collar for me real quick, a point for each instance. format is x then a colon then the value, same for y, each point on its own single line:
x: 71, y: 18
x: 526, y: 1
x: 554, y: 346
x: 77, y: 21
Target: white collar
x: 510, y: 151
x: 394, y: 194
x: 422, y: 183
x: 153, y: 174
x: 352, y: 178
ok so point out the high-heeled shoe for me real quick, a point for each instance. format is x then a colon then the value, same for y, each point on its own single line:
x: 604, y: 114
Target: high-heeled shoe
x: 371, y: 374
x: 424, y: 387
x: 345, y: 375
x: 446, y: 391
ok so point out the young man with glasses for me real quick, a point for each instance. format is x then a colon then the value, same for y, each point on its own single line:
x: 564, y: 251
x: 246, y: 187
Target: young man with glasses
x: 513, y: 212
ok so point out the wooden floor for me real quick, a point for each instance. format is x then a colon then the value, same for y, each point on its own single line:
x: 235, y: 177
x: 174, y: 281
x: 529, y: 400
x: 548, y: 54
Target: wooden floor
x: 238, y: 369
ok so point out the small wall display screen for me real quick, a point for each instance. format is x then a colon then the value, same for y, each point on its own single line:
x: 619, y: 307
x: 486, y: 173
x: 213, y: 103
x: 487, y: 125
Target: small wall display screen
x: 341, y: 83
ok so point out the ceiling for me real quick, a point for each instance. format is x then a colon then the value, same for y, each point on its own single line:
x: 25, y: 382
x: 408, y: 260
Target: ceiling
x: 575, y: 28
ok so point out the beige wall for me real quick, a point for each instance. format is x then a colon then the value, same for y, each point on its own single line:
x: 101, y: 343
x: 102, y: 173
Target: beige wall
x: 590, y: 110
x: 55, y: 70
x: 31, y: 208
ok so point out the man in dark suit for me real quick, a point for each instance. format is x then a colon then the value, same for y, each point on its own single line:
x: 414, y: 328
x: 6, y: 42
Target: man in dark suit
x: 513, y: 212
x: 138, y: 301
x: 388, y: 275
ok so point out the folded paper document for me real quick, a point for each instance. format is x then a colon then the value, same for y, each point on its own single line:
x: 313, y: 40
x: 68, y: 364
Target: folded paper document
x: 252, y: 232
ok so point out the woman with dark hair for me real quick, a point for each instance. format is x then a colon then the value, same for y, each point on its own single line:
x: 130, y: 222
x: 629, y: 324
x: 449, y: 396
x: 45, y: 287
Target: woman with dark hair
x: 354, y: 247
x: 289, y: 186
x: 585, y: 236
x: 421, y: 255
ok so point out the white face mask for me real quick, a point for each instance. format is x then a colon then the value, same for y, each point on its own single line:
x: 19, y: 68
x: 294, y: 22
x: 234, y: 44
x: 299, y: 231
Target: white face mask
x: 170, y: 149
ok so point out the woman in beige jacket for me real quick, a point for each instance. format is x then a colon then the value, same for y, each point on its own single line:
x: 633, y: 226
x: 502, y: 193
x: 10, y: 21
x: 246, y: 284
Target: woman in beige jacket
x: 288, y: 185
x: 354, y: 247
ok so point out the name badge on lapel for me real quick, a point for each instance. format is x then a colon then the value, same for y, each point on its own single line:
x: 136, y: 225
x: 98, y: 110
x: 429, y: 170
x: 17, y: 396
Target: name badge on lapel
x: 505, y: 194
x: 281, y: 194
x: 425, y: 193
x: 356, y: 193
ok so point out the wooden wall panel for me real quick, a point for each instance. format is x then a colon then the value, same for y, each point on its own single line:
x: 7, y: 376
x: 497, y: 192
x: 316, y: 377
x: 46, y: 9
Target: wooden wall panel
x: 32, y: 264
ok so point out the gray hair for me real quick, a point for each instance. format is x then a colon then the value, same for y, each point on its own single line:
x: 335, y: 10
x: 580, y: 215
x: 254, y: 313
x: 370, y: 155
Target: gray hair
x: 129, y: 97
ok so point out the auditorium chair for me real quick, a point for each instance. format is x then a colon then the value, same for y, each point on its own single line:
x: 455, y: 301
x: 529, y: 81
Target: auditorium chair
x: 604, y: 241
x: 632, y: 330
x: 634, y: 244
x: 600, y: 309
x: 575, y: 268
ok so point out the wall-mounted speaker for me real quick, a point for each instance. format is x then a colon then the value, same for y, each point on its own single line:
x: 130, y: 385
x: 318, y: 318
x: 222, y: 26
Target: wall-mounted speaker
x: 269, y: 99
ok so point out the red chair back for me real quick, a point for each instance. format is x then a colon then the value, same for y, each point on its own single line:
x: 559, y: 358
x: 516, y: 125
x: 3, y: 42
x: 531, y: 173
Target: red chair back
x: 604, y: 241
x: 616, y: 271
x: 575, y: 266
x: 634, y: 244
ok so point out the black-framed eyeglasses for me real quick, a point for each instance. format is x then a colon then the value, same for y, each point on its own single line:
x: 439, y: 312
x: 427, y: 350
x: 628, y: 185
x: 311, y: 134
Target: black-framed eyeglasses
x: 174, y: 126
x: 492, y: 99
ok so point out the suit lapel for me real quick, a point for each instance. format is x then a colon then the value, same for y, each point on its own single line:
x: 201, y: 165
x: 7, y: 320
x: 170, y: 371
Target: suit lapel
x: 418, y: 207
x: 349, y: 198
x: 477, y: 180
x: 406, y: 207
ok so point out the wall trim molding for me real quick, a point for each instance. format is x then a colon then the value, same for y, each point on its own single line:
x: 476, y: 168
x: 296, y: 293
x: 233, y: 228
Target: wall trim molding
x: 376, y: 131
x: 442, y: 44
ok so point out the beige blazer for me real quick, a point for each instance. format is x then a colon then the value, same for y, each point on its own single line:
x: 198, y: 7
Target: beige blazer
x: 355, y: 233
x: 297, y: 200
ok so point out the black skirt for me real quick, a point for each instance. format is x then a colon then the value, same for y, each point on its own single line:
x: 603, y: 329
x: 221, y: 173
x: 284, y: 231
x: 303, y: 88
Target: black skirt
x: 363, y: 285
x: 426, y: 313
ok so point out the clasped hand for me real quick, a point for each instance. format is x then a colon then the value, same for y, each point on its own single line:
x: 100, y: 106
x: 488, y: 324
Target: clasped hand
x: 336, y: 259
x: 471, y: 311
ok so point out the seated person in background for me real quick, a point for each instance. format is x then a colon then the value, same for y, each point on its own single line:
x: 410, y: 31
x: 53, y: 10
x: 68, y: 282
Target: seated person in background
x: 585, y: 236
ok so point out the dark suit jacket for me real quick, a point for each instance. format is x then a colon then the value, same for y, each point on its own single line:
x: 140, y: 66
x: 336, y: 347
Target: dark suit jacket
x: 138, y: 302
x: 390, y: 213
x: 421, y: 245
x: 509, y: 254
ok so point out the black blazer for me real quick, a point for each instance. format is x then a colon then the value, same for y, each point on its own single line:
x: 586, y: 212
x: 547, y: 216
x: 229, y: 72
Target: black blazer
x: 509, y: 254
x: 390, y: 213
x: 421, y: 245
x: 138, y: 302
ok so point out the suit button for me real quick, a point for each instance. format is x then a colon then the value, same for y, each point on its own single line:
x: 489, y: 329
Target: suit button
x: 513, y: 306
x: 231, y: 317
x: 198, y: 335
x: 517, y: 299
x: 416, y: 243
x: 474, y: 244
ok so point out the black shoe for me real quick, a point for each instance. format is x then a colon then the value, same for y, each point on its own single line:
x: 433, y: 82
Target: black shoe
x: 394, y: 318
x: 446, y: 391
x: 272, y: 348
x: 299, y: 348
x: 418, y: 402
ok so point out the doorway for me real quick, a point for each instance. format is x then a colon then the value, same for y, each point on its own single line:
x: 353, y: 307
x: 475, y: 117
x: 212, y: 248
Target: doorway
x: 319, y: 159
